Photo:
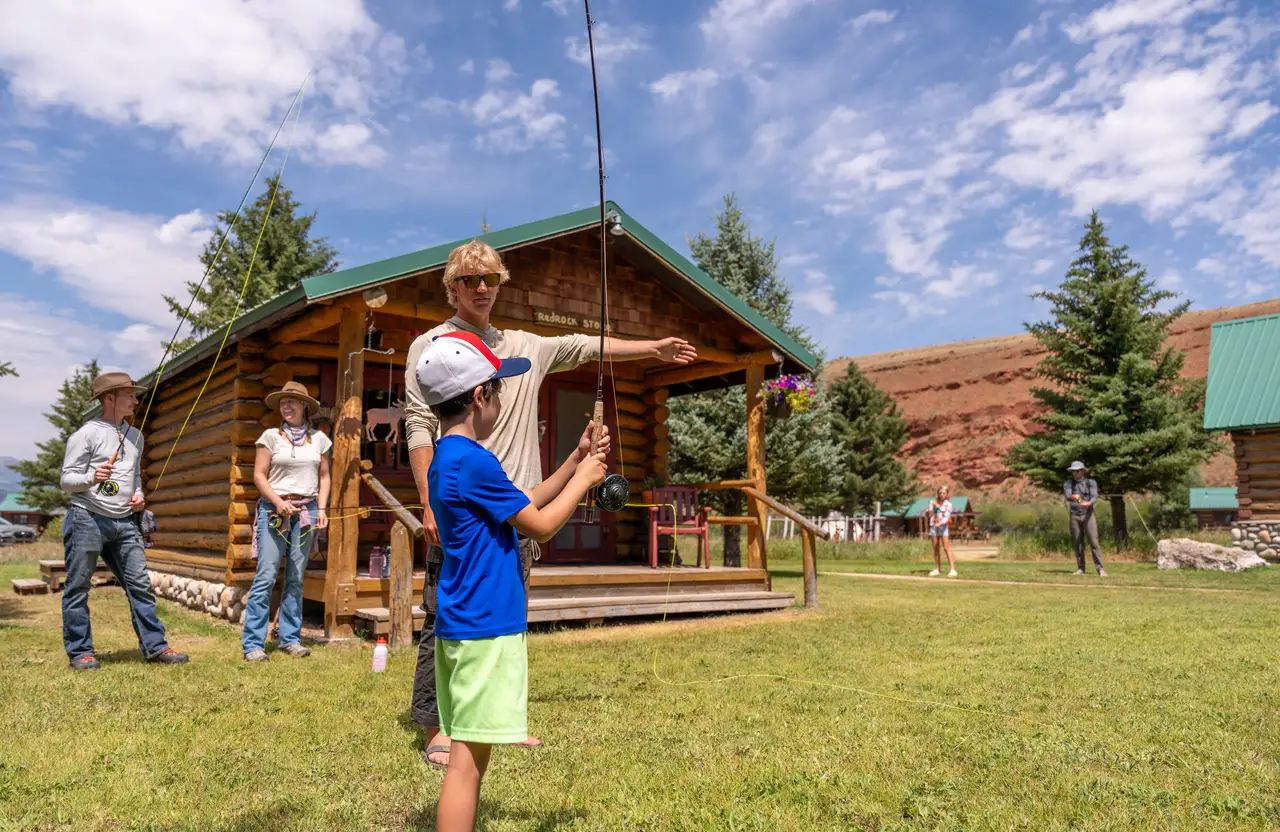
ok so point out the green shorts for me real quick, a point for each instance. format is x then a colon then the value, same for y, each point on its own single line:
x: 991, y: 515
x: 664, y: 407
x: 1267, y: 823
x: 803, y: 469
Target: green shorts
x: 483, y: 689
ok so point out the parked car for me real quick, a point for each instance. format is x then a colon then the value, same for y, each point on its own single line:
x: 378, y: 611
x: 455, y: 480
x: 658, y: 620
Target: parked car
x: 11, y: 533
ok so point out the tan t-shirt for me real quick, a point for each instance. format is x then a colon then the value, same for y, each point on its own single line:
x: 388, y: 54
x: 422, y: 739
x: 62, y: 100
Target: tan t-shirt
x: 295, y: 469
x: 515, y: 437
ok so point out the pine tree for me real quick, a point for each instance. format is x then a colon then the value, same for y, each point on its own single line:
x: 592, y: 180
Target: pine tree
x: 42, y: 476
x: 871, y: 432
x: 6, y: 369
x: 286, y: 256
x: 709, y: 433
x: 1116, y: 401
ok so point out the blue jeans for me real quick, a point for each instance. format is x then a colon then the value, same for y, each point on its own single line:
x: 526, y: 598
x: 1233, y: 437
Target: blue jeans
x: 85, y: 537
x: 271, y: 549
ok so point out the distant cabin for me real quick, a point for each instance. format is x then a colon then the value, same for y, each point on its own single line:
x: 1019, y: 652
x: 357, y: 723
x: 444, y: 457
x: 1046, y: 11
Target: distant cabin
x: 19, y: 513
x: 913, y: 520
x: 1214, y: 508
x: 1243, y: 399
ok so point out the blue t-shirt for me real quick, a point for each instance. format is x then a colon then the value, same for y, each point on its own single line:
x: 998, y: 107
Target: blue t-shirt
x: 481, y: 590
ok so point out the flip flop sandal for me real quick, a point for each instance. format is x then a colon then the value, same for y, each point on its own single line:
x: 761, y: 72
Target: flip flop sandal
x: 441, y: 749
x: 531, y: 747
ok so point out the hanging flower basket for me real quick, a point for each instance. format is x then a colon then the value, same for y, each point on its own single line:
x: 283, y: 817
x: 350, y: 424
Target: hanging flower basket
x: 787, y: 395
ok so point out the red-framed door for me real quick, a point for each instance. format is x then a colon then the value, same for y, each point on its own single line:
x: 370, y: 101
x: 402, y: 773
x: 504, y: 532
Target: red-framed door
x: 564, y: 406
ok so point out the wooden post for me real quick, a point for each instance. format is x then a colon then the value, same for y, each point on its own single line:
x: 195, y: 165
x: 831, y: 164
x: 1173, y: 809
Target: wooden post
x: 401, y: 586
x: 348, y: 428
x: 757, y: 557
x: 810, y: 563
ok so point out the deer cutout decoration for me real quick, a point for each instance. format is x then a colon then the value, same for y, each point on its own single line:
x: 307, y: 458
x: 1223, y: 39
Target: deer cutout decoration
x: 384, y: 416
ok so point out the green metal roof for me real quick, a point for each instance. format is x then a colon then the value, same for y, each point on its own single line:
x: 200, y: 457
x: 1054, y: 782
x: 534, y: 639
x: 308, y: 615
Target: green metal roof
x: 1214, y: 499
x: 357, y: 278
x: 13, y: 502
x: 1244, y: 374
x: 383, y: 271
x: 920, y: 505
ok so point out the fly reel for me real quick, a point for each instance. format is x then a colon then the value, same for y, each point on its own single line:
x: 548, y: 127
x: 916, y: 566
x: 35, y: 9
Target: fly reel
x: 276, y: 522
x: 613, y: 493
x: 109, y: 488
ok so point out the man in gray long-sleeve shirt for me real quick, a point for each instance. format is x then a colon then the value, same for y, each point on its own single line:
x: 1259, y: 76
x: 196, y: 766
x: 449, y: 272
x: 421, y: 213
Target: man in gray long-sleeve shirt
x: 1081, y: 493
x: 102, y: 471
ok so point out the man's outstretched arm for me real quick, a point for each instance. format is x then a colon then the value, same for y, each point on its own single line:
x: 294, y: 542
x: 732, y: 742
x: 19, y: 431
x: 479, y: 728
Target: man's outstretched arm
x: 672, y: 350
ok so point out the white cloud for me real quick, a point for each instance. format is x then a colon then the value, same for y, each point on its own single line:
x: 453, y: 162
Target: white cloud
x: 1250, y: 118
x: 692, y: 83
x: 1211, y: 266
x: 560, y: 7
x: 1041, y: 266
x: 510, y: 5
x: 498, y: 71
x: 111, y: 260
x: 514, y: 121
x: 1130, y: 14
x: 1172, y: 281
x: 467, y: 67
x: 872, y: 18
x: 613, y: 45
x: 961, y: 282
x: 735, y: 28
x: 1028, y: 232
x: 911, y: 240
x: 1258, y: 221
x: 349, y: 144
x: 818, y: 293
x: 46, y: 345
x: 216, y: 73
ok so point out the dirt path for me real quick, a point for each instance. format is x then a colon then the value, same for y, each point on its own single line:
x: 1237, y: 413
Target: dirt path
x: 972, y: 582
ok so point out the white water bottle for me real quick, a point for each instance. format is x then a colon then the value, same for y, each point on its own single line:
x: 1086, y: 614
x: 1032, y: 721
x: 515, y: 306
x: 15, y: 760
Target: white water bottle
x: 380, y: 655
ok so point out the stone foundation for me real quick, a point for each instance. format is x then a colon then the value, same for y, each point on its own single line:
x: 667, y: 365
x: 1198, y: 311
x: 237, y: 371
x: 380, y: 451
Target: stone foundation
x: 219, y: 600
x: 1259, y: 536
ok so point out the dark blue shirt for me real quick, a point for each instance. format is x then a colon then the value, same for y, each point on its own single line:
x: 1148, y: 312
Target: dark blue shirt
x: 481, y: 590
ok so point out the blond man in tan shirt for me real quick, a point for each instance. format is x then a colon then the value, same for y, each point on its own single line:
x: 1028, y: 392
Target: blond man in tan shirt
x: 473, y: 278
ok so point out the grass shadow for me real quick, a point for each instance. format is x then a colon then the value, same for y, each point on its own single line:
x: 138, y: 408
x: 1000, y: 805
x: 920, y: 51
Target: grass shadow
x: 423, y: 819
x: 13, y: 610
x: 133, y: 656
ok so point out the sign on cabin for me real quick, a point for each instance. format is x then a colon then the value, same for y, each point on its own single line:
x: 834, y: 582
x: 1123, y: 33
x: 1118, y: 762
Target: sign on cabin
x: 551, y: 317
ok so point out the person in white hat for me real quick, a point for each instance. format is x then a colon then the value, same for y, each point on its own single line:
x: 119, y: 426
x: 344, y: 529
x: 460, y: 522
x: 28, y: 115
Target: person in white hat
x: 102, y: 472
x: 481, y: 663
x: 291, y: 471
x: 1081, y: 493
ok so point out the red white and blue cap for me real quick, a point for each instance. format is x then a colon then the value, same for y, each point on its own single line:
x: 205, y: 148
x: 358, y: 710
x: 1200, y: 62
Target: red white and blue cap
x: 456, y: 363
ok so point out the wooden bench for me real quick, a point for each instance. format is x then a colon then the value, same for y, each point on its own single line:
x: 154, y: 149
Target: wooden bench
x: 377, y: 620
x: 30, y: 586
x: 54, y: 573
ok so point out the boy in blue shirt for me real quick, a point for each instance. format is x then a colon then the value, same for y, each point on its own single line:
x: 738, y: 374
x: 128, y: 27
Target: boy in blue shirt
x: 481, y: 661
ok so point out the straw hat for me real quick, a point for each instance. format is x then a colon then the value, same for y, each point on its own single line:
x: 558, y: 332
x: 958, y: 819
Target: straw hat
x: 292, y: 390
x: 112, y: 382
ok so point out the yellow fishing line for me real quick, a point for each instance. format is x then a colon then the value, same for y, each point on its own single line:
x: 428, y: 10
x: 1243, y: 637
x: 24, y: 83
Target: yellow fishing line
x: 244, y: 287
x: 791, y: 679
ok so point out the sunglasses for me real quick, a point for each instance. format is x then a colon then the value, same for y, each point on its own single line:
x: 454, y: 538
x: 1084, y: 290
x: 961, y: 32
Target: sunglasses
x: 473, y: 280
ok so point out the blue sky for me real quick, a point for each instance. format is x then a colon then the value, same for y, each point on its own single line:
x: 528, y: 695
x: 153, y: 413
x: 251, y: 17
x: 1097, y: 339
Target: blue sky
x: 922, y: 166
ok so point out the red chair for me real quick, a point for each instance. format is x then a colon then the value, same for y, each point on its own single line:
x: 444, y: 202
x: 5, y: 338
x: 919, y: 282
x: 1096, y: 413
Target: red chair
x: 676, y: 512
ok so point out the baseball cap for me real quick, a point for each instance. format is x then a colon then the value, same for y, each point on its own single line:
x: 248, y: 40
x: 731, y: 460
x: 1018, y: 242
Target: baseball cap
x: 458, y: 362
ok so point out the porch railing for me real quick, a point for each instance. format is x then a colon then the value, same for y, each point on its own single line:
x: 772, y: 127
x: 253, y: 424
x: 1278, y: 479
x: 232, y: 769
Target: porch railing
x: 404, y: 531
x: 808, y: 529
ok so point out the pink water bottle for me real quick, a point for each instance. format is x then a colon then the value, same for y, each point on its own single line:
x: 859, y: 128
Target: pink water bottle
x: 380, y: 655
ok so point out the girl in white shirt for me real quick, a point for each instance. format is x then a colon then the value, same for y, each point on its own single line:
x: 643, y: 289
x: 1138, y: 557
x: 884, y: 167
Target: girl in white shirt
x: 940, y: 530
x: 291, y: 471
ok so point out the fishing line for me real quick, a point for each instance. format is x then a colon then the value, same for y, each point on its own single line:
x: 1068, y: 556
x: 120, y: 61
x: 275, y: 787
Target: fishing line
x: 791, y: 679
x: 244, y: 287
x: 186, y: 314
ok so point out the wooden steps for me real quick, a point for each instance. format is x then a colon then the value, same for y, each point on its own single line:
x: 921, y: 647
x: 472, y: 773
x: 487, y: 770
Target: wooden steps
x: 30, y: 586
x: 592, y: 607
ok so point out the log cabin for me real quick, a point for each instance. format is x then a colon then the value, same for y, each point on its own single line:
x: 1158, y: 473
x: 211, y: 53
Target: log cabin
x: 1214, y: 508
x: 345, y: 335
x: 1243, y: 399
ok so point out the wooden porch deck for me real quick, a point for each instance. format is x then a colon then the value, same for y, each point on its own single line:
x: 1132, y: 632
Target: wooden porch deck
x: 585, y: 593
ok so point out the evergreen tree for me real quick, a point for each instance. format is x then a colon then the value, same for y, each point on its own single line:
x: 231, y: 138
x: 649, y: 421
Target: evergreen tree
x: 42, y: 476
x: 871, y: 432
x: 709, y: 432
x: 286, y: 256
x: 1116, y: 401
x: 6, y: 369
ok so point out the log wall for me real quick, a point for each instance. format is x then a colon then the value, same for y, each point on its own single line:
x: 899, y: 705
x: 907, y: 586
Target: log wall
x: 1257, y: 455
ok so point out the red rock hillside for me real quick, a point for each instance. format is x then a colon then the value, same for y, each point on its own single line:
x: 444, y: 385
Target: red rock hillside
x: 969, y: 402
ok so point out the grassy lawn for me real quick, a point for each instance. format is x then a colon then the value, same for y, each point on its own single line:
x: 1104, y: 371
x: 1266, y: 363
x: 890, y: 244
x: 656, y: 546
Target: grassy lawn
x: 1117, y: 710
